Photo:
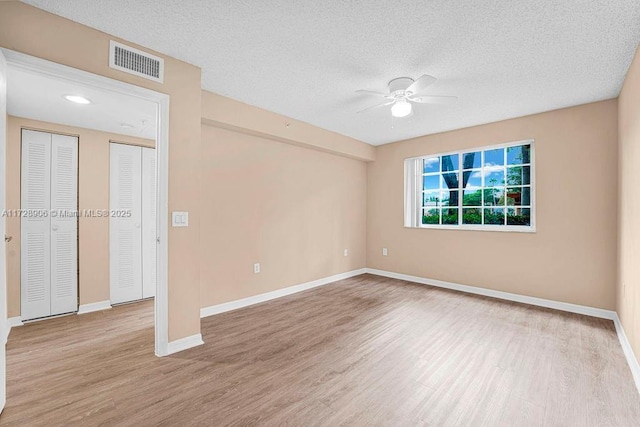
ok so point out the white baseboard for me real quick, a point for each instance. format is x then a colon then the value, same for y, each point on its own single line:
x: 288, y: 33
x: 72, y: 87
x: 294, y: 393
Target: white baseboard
x: 540, y: 302
x: 184, y: 343
x: 14, y: 321
x: 11, y: 322
x: 256, y: 299
x: 628, y: 352
x: 94, y: 306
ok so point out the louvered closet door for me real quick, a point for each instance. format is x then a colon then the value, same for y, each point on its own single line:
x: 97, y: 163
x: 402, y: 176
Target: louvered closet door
x: 35, y: 228
x: 64, y: 224
x: 148, y: 222
x: 125, y: 234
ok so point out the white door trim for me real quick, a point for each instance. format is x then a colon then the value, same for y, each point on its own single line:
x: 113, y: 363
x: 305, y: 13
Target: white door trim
x: 4, y: 324
x: 43, y: 67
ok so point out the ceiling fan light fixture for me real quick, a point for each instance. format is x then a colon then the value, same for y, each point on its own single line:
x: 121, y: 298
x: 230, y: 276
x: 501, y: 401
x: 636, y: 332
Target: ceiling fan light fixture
x: 401, y: 108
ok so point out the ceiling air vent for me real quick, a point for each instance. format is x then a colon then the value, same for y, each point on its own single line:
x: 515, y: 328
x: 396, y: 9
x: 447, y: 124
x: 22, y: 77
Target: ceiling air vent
x: 137, y: 62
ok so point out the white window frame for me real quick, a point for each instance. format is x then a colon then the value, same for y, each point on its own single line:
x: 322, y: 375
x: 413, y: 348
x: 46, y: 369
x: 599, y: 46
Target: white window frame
x: 414, y: 192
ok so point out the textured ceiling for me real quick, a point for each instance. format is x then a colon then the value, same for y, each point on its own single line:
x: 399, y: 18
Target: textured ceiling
x: 40, y: 97
x: 305, y: 59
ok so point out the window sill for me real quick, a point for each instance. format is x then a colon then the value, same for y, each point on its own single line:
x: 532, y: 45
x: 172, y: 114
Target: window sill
x: 499, y: 228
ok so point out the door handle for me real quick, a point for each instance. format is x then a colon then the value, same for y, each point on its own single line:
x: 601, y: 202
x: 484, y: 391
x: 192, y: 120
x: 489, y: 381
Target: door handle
x: 7, y: 239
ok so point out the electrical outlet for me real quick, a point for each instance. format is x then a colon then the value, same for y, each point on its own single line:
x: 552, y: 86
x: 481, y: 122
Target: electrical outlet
x: 346, y: 252
x: 384, y: 252
x: 256, y: 268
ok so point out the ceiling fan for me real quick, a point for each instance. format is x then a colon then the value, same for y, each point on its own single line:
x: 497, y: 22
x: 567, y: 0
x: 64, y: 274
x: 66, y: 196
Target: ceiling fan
x: 403, y: 91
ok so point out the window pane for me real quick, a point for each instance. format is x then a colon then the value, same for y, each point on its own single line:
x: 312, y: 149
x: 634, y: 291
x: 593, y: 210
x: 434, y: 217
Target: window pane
x: 472, y: 179
x: 449, y: 198
x: 519, y: 175
x: 490, y: 186
x: 519, y: 155
x: 471, y: 160
x: 493, y: 177
x: 431, y: 182
x: 494, y: 157
x: 494, y: 196
x: 450, y: 163
x: 471, y: 216
x: 432, y: 165
x: 519, y: 196
x: 494, y: 216
x: 450, y: 180
x: 450, y: 216
x: 472, y: 198
x: 519, y: 216
x: 431, y: 216
x: 431, y: 199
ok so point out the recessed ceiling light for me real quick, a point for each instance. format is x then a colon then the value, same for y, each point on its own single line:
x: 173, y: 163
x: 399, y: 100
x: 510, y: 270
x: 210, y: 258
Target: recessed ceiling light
x: 126, y: 126
x: 77, y: 99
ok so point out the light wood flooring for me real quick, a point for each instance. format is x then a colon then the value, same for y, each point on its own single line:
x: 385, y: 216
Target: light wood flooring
x: 363, y: 351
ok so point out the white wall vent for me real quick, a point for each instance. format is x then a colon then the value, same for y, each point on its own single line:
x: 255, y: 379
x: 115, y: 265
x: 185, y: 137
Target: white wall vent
x: 136, y: 62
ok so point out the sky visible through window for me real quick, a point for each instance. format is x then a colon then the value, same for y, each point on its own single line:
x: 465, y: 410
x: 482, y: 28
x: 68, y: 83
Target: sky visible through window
x: 484, y: 187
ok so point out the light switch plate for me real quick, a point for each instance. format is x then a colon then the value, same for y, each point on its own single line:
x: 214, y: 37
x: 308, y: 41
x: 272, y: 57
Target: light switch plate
x: 179, y: 219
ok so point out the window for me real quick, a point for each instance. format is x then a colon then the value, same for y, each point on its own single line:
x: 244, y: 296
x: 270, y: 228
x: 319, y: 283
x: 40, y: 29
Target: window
x: 489, y: 188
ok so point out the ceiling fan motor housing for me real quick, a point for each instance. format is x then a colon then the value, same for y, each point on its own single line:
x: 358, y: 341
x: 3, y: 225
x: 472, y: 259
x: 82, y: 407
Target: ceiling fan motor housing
x: 400, y: 84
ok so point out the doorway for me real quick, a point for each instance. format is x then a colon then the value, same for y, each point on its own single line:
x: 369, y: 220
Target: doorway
x: 42, y: 68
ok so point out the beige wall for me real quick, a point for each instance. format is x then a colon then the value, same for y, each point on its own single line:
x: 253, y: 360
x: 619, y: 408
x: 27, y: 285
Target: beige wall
x: 572, y: 255
x: 628, y: 286
x: 93, y: 193
x: 291, y: 209
x: 28, y: 30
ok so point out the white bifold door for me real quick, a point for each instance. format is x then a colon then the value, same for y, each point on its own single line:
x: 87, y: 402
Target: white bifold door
x: 132, y: 224
x: 49, y: 224
x: 149, y: 232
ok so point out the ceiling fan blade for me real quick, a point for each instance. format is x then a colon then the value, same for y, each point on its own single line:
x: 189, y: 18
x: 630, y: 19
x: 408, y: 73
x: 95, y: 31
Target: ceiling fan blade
x: 377, y: 106
x: 372, y: 92
x: 426, y: 99
x: 420, y: 84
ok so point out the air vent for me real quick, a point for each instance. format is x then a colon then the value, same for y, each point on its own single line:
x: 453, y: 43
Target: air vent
x: 136, y: 62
